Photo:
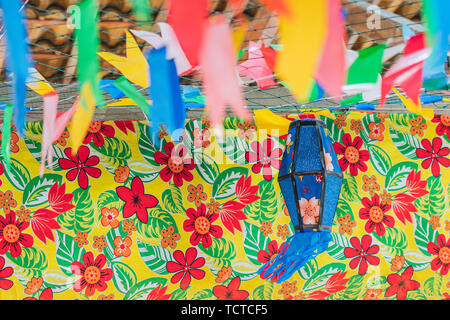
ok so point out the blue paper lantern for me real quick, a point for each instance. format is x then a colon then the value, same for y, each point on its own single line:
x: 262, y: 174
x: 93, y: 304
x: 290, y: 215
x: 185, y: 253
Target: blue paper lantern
x: 310, y: 180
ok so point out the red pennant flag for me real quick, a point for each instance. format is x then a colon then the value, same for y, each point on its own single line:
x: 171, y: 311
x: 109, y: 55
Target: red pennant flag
x: 407, y: 72
x: 188, y: 19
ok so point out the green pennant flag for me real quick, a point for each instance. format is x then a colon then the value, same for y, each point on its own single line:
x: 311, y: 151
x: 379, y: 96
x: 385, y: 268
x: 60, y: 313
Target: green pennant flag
x: 352, y: 100
x: 6, y: 135
x: 87, y: 41
x: 126, y: 87
x: 367, y: 66
x: 143, y: 11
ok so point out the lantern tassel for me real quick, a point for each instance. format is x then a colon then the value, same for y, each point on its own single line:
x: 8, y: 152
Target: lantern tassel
x: 295, y: 253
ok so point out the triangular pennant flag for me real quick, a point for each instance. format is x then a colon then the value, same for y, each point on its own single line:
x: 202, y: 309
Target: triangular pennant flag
x: 256, y: 67
x: 6, y: 135
x: 367, y: 66
x: 37, y: 82
x: 134, y: 66
x: 407, y: 71
x: 274, y: 124
x: 125, y: 86
x: 18, y: 57
x: 407, y: 32
x: 143, y: 11
x: 219, y: 77
x: 331, y: 71
x: 188, y: 19
x: 169, y: 39
x: 48, y: 127
x: 436, y: 15
x: 87, y: 41
x: 63, y: 119
x: 302, y: 35
x: 412, y: 107
x: 168, y: 106
x: 82, y: 117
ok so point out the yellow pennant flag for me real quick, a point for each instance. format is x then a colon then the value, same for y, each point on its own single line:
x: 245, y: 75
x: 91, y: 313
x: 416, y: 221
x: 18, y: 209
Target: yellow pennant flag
x: 266, y: 119
x: 239, y: 36
x: 303, y: 31
x: 134, y: 66
x: 82, y: 117
x: 427, y: 113
x: 37, y: 82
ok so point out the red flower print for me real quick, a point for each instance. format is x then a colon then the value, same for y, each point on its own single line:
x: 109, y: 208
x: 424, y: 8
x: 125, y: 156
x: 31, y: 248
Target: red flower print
x: 80, y: 166
x: 434, y: 155
x: 353, y: 157
x: 43, y: 222
x: 158, y: 294
x: 124, y: 126
x: 5, y: 284
x: 400, y: 285
x: 96, y: 131
x: 46, y: 294
x: 93, y: 275
x: 362, y: 253
x: 136, y: 201
x: 442, y: 251
x: 265, y: 256
x: 231, y: 213
x: 265, y: 158
x: 245, y: 192
x: 403, y: 205
x: 444, y: 124
x: 414, y: 185
x: 334, y: 284
x: 231, y: 292
x: 200, y: 222
x: 58, y: 199
x: 375, y: 212
x: 186, y: 267
x: 11, y: 236
x: 177, y: 166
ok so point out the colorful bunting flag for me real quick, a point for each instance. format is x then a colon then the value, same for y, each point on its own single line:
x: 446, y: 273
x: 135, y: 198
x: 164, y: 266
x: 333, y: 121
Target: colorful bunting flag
x: 220, y: 80
x: 407, y: 71
x: 331, y: 71
x: 169, y: 39
x: 367, y: 66
x: 256, y: 67
x: 6, y: 135
x: 168, y: 107
x: 86, y: 38
x: 302, y: 35
x: 125, y: 86
x: 18, y: 56
x: 134, y: 66
x: 48, y: 127
x: 188, y: 19
x: 436, y: 15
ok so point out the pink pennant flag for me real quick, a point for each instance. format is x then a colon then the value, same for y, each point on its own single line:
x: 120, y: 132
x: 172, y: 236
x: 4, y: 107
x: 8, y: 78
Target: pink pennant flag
x: 407, y: 72
x: 220, y: 80
x: 256, y: 67
x: 63, y: 119
x: 331, y: 71
x: 48, y: 127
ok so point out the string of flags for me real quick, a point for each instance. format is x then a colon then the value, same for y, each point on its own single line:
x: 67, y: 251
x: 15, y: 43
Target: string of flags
x: 310, y: 59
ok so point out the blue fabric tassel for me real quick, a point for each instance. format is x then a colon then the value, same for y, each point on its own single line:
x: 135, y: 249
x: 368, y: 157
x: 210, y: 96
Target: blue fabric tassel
x: 295, y: 253
x: 18, y: 59
x: 168, y: 106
